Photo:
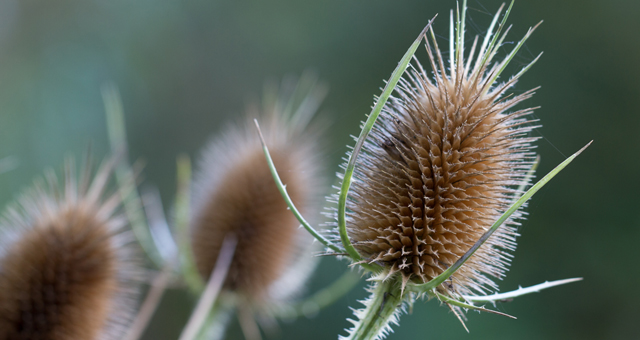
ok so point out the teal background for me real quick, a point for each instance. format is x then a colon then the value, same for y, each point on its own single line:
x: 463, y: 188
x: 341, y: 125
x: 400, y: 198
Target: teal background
x: 184, y: 68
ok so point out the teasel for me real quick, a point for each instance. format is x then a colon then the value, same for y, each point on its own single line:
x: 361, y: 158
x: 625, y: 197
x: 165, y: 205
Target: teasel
x: 440, y: 167
x: 234, y: 195
x: 67, y: 267
x: 442, y: 164
x: 431, y: 207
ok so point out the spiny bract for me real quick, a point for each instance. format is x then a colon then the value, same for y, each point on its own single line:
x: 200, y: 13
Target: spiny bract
x: 66, y: 270
x: 441, y: 165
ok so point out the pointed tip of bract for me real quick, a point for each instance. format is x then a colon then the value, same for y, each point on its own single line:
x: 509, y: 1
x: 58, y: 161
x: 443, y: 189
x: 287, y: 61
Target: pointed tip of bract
x: 67, y: 269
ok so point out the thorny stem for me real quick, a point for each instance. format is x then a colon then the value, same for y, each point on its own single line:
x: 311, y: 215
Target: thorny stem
x: 384, y: 302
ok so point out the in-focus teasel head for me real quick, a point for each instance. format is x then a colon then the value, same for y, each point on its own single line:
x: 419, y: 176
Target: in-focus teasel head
x: 234, y: 193
x: 442, y: 164
x: 67, y: 271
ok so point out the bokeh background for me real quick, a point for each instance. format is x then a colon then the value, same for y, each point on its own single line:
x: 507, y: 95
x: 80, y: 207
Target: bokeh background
x: 185, y: 68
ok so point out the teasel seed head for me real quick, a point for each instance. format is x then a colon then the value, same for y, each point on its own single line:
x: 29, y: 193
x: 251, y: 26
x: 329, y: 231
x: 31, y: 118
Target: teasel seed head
x: 66, y: 269
x: 234, y: 193
x: 441, y: 165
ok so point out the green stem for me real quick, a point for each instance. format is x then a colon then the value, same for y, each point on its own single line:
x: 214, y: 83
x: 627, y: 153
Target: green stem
x: 379, y: 312
x: 189, y: 271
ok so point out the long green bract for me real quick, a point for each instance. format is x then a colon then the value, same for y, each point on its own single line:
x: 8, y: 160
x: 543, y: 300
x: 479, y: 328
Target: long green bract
x: 518, y: 292
x: 368, y: 125
x: 283, y: 191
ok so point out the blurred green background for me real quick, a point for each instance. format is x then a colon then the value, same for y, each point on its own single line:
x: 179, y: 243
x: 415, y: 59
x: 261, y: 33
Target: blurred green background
x: 184, y: 68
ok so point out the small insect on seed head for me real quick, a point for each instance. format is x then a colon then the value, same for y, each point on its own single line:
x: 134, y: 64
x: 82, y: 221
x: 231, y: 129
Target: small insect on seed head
x: 441, y: 165
x: 66, y: 270
x: 234, y: 193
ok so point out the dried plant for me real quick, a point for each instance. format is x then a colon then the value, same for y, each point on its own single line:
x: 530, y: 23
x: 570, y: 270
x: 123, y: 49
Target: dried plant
x: 233, y: 194
x: 440, y: 181
x: 440, y: 166
x: 67, y: 269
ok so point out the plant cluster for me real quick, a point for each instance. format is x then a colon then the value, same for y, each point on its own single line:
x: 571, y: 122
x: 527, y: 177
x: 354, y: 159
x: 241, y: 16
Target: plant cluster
x: 428, y: 207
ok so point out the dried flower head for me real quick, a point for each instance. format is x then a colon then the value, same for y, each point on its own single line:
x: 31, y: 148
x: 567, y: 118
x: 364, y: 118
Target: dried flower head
x: 66, y: 271
x: 235, y: 193
x: 441, y: 165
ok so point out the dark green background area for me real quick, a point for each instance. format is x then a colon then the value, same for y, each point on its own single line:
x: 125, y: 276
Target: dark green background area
x: 185, y: 68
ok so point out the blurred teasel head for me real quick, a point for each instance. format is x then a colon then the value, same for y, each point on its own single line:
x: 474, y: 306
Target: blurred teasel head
x: 234, y: 194
x: 442, y: 164
x: 66, y: 266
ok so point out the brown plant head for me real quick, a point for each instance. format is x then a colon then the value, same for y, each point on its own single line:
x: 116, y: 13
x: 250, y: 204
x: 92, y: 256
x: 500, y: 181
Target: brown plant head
x: 65, y: 270
x: 439, y: 168
x: 234, y: 193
